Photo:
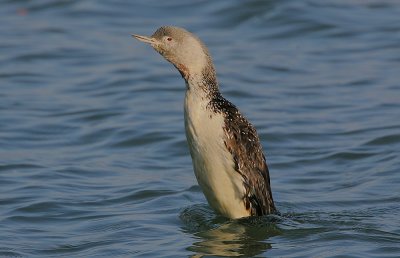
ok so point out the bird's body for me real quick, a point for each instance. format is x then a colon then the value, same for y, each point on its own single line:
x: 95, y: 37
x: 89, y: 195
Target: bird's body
x: 212, y: 162
x: 226, y: 152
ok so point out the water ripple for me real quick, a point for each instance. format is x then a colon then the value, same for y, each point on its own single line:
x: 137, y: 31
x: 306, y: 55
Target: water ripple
x: 93, y: 156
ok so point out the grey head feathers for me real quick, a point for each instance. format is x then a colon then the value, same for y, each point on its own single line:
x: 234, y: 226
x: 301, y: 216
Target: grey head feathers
x: 186, y: 52
x: 207, y: 72
x: 181, y: 36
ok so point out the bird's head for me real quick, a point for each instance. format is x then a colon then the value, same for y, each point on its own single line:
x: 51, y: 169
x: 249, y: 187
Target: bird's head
x: 180, y: 47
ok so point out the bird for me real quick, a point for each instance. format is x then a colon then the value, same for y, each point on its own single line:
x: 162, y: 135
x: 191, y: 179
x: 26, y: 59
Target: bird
x: 227, y: 156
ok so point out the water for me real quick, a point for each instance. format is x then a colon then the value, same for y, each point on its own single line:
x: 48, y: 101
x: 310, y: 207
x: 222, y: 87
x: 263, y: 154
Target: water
x: 93, y: 157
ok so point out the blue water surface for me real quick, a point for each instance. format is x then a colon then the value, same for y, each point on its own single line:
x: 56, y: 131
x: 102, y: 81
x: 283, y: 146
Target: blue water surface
x: 93, y: 156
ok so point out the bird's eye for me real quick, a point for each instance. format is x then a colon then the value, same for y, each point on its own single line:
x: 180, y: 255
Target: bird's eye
x: 169, y: 38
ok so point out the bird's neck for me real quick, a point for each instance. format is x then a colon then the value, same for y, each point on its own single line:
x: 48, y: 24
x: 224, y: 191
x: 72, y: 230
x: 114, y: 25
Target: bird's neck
x: 203, y: 82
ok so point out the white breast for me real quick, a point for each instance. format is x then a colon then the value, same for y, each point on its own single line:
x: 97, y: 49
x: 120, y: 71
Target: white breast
x: 213, y: 164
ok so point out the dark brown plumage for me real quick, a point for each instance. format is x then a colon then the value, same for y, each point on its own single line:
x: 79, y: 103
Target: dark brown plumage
x: 243, y: 143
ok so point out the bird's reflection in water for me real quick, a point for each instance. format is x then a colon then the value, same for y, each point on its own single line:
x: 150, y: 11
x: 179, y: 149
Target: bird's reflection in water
x: 222, y: 237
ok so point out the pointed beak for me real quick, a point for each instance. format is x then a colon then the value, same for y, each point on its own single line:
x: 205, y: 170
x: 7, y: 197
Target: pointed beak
x: 145, y: 39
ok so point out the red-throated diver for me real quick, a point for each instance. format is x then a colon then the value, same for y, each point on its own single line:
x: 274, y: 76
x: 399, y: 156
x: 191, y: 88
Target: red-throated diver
x: 227, y: 156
